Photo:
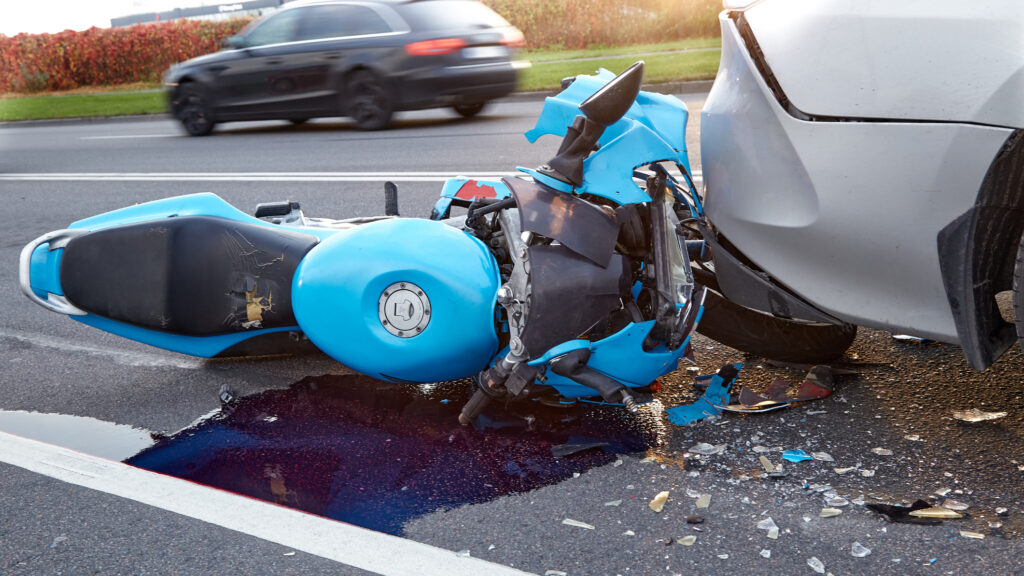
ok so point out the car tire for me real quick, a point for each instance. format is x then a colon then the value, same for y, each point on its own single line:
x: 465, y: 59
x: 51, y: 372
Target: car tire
x: 771, y: 337
x: 298, y: 121
x: 369, y: 103
x: 194, y: 110
x: 1018, y: 293
x: 470, y: 109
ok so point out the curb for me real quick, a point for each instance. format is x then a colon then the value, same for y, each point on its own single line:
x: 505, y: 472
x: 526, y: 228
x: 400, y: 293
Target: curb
x: 687, y: 87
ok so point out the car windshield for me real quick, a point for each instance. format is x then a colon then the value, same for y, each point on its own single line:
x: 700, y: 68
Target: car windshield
x: 451, y: 14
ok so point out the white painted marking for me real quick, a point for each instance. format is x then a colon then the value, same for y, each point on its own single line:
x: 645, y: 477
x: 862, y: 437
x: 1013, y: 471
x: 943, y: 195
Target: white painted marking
x: 127, y: 136
x: 358, y: 547
x: 123, y: 357
x: 255, y: 176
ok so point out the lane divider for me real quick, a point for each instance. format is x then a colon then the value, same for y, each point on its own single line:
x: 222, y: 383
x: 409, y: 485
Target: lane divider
x: 344, y: 543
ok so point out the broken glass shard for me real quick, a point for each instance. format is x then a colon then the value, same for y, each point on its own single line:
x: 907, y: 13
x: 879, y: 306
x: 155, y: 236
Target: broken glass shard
x: 704, y: 501
x: 687, y: 540
x: 829, y: 512
x: 975, y: 415
x: 816, y: 565
x: 658, y: 503
x: 858, y: 550
x: 577, y: 523
x: 882, y: 451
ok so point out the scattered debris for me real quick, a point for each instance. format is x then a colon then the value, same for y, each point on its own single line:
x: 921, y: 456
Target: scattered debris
x: 913, y: 437
x: 706, y: 449
x: 858, y: 550
x: 577, y: 523
x: 829, y: 512
x: 687, y: 540
x: 902, y: 514
x: 1002, y: 511
x: 658, y: 503
x: 816, y: 565
x: 723, y: 556
x: 975, y: 415
x: 704, y: 501
x: 769, y: 525
x: 555, y: 573
x: 882, y: 451
x: 867, y: 473
x: 955, y: 505
x: 629, y: 533
x: 617, y: 463
x: 569, y: 448
x: 766, y: 464
x: 969, y: 534
x: 694, y: 519
x: 939, y: 512
x: 766, y: 553
x: 913, y: 339
x: 463, y: 554
x: 58, y: 540
x: 823, y: 456
x: 837, y: 501
x: 613, y: 503
x: 717, y: 394
x: 796, y: 456
x: 289, y: 553
x: 842, y: 471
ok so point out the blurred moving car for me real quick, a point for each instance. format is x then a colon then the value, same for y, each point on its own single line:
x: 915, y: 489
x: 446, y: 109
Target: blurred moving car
x: 363, y: 59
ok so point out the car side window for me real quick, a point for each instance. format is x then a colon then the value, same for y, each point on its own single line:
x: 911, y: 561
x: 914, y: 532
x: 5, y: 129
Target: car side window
x: 338, y: 20
x: 278, y: 28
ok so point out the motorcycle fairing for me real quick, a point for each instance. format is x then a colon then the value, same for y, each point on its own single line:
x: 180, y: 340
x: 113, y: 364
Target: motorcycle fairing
x: 462, y: 191
x: 639, y: 138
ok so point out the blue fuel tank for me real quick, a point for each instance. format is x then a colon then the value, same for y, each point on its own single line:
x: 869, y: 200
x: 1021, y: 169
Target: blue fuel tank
x: 402, y: 300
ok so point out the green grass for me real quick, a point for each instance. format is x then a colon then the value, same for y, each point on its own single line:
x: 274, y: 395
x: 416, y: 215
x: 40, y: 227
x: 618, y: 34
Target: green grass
x: 81, y: 105
x: 546, y: 73
x: 658, y: 68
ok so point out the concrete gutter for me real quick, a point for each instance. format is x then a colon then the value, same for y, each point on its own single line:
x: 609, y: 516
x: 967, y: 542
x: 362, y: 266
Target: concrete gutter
x: 688, y: 87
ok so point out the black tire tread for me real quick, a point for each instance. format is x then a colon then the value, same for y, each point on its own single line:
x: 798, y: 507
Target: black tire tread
x: 771, y: 337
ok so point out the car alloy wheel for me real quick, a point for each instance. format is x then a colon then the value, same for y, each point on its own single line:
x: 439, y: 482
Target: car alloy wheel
x: 193, y: 113
x: 369, y: 102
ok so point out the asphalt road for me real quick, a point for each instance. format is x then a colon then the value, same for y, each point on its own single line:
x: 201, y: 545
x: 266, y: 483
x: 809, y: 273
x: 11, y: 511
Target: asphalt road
x: 900, y: 398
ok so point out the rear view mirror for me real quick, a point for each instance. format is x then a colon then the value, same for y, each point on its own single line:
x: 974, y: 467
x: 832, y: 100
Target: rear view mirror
x: 612, y: 101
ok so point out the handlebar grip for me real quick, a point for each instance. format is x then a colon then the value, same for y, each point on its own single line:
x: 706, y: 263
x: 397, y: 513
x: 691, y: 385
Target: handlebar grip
x: 477, y: 402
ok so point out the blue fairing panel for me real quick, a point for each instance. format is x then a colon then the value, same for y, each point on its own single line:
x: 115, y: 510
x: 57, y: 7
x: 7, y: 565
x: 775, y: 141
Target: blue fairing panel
x: 653, y: 130
x: 337, y: 299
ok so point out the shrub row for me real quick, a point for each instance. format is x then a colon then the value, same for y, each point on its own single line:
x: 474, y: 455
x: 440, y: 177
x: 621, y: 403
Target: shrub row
x: 99, y: 57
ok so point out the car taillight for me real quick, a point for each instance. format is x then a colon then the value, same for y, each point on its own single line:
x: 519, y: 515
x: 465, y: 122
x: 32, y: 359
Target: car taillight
x: 514, y: 38
x: 437, y: 47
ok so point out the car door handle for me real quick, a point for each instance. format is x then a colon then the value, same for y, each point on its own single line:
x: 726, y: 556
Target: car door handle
x: 217, y: 69
x: 332, y: 56
x: 273, y: 61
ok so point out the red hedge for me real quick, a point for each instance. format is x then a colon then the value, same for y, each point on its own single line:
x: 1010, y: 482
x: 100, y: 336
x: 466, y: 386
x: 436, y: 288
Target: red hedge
x: 105, y: 56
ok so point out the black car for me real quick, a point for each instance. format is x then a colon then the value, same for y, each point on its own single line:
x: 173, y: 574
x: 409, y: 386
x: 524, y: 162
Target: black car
x: 357, y: 58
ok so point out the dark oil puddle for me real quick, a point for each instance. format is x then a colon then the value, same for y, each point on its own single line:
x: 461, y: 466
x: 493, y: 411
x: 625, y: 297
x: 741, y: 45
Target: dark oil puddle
x: 377, y: 454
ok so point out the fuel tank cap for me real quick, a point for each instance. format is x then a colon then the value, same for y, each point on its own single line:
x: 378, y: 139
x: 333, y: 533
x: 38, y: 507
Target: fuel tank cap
x: 404, y: 309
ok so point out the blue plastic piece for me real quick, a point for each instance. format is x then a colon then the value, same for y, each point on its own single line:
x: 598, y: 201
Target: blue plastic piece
x: 338, y: 285
x: 796, y: 456
x: 563, y: 348
x: 202, y: 346
x: 46, y: 271
x: 453, y: 186
x: 717, y: 394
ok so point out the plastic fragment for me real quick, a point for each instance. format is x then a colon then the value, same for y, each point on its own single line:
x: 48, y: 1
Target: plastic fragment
x: 842, y: 471
x: 796, y: 456
x: 837, y: 501
x: 289, y: 554
x: 658, y: 502
x: 555, y: 573
x: 617, y: 463
x: 766, y: 464
x: 858, y: 550
x: 577, y: 523
x: 706, y: 449
x: 882, y: 451
x: 1002, y: 511
x: 694, y: 519
x: 613, y: 503
x: 723, y: 556
x: 761, y: 449
x: 704, y: 501
x: 816, y: 565
x: 687, y: 540
x: 823, y: 456
x: 913, y: 339
x: 936, y: 512
x: 902, y: 514
x: 969, y: 534
x: 913, y: 437
x: 717, y: 394
x: 629, y: 533
x: 769, y: 525
x: 955, y: 505
x: 569, y: 448
x: 975, y: 415
x: 463, y: 554
x: 766, y: 553
x: 829, y: 512
x: 867, y: 473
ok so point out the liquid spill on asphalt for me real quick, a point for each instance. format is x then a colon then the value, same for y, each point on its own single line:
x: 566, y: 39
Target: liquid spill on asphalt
x: 96, y: 437
x: 377, y: 454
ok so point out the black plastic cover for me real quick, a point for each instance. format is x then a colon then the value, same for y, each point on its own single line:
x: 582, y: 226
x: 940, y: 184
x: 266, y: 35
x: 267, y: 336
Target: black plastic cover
x: 192, y: 275
x: 582, y: 227
x: 569, y: 295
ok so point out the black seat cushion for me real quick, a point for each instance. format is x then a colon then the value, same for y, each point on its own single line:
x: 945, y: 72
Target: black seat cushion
x: 193, y: 275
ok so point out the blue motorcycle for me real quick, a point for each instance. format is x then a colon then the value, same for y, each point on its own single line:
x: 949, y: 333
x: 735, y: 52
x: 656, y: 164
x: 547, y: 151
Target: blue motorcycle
x: 574, y: 277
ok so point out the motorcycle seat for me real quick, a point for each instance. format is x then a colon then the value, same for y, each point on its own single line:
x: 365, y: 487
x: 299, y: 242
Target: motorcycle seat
x: 191, y: 275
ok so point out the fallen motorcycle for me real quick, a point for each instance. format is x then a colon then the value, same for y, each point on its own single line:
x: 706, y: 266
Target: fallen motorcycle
x: 576, y: 277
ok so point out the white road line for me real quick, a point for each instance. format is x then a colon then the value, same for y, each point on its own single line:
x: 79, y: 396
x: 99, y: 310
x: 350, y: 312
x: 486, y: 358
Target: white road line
x: 253, y: 176
x: 364, y: 549
x: 122, y: 357
x: 127, y: 136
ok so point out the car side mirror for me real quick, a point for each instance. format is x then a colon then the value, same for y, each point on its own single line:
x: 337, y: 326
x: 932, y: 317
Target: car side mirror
x: 234, y: 42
